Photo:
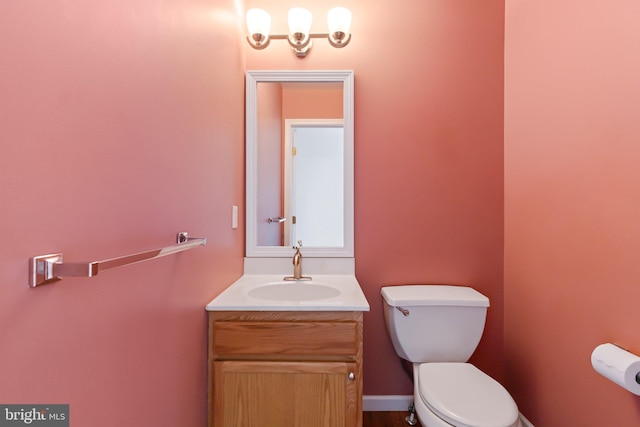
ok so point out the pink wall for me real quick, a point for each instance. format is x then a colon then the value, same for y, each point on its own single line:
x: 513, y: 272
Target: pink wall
x: 122, y: 123
x: 322, y: 101
x: 572, y: 240
x: 131, y: 116
x: 428, y: 154
x: 270, y: 194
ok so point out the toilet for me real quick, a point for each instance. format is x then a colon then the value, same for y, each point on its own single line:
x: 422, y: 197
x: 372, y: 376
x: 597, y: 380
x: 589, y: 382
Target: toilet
x: 437, y: 328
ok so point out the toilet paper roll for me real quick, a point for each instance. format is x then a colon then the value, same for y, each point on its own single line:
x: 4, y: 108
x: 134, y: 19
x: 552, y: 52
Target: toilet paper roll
x: 618, y: 365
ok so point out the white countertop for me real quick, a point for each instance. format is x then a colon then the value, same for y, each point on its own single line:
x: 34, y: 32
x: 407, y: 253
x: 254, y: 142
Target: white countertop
x: 237, y: 296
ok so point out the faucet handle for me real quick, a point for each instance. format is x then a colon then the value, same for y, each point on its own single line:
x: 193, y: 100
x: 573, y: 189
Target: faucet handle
x: 300, y: 243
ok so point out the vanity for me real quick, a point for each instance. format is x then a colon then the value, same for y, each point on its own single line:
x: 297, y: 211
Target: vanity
x: 275, y: 361
x: 286, y: 351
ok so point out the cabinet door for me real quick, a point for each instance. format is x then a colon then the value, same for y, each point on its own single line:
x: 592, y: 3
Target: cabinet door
x: 285, y: 394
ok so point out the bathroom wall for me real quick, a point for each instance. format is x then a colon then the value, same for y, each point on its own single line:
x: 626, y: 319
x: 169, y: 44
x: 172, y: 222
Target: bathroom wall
x: 121, y: 124
x: 428, y: 153
x: 269, y: 174
x: 322, y: 101
x: 572, y: 240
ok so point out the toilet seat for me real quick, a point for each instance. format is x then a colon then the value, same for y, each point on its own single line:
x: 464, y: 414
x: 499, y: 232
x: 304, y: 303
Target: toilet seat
x: 464, y: 396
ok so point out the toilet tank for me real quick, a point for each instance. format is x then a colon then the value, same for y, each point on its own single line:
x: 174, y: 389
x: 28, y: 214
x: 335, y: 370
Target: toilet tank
x: 434, y: 323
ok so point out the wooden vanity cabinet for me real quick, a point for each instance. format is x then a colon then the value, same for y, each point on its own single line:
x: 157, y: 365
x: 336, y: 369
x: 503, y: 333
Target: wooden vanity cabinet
x: 285, y: 369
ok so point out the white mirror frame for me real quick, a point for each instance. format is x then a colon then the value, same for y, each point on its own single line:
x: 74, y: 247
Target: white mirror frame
x: 251, y: 221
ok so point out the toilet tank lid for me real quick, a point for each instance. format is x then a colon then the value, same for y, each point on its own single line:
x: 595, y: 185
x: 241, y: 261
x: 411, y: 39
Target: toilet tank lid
x: 425, y: 295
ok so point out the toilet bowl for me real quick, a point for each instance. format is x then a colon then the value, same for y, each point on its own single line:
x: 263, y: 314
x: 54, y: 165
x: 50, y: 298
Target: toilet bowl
x: 437, y: 328
x: 461, y: 395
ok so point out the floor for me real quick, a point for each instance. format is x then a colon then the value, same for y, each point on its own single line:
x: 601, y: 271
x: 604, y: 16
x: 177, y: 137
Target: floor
x: 385, y: 419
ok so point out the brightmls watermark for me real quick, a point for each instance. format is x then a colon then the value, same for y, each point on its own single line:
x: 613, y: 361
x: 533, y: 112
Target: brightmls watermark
x: 34, y: 415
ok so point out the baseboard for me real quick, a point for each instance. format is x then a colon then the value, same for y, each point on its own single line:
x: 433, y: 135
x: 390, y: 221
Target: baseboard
x: 386, y: 403
x: 401, y: 403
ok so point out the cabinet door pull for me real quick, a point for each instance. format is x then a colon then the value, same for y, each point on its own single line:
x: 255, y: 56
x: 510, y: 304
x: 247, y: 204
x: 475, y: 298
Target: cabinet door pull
x: 351, y: 376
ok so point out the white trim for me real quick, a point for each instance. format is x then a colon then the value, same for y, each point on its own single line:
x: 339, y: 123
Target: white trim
x: 251, y: 135
x: 386, y: 403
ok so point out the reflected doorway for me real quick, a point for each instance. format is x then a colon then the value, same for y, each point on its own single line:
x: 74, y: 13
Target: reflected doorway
x: 314, y: 182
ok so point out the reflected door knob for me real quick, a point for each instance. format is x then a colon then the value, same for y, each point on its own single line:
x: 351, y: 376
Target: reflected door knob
x: 277, y: 220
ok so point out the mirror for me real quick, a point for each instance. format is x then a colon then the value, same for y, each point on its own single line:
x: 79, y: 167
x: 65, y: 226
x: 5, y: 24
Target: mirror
x: 299, y: 163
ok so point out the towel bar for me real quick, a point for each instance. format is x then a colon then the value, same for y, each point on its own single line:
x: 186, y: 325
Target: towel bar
x: 45, y: 269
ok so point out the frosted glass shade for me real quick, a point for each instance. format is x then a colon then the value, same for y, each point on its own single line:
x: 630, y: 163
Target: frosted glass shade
x: 339, y: 20
x: 299, y: 21
x: 299, y: 37
x: 258, y: 22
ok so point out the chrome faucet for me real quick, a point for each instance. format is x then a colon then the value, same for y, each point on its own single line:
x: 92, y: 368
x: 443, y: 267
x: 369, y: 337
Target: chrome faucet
x: 297, y: 265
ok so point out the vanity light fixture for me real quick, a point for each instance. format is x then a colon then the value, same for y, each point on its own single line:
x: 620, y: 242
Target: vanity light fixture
x: 299, y: 37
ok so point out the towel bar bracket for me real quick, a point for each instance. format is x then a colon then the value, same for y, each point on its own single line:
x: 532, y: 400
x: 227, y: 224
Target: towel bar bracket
x: 41, y: 269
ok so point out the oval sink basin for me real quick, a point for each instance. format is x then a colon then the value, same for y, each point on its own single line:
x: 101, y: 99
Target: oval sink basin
x: 294, y: 291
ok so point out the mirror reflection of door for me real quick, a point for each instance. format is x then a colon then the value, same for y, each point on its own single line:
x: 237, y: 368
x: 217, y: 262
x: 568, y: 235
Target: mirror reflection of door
x: 313, y: 182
